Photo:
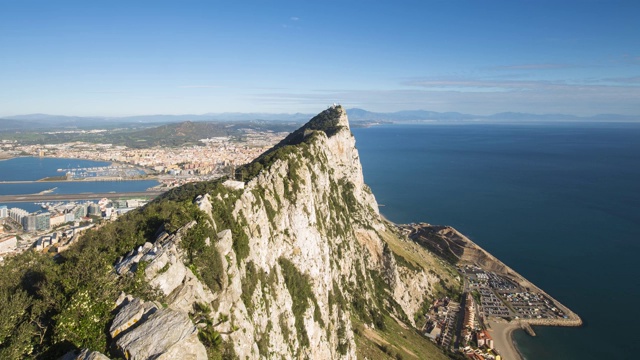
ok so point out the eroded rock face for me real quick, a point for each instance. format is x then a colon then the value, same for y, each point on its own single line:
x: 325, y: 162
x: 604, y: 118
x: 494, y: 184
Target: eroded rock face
x: 128, y: 315
x: 165, y: 333
x: 166, y: 272
x: 189, y: 292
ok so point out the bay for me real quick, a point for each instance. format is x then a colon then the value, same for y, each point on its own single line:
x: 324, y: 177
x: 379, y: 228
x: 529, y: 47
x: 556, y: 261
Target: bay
x: 35, y: 168
x: 559, y: 203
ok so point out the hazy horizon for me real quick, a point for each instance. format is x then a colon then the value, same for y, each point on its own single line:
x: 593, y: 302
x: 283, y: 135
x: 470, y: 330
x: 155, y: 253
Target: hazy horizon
x: 243, y: 116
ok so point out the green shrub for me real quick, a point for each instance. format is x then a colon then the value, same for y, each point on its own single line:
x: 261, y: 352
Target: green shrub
x: 299, y: 286
x: 249, y: 285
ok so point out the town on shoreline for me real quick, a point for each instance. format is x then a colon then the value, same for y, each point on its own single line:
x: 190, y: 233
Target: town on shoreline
x: 171, y: 166
x: 495, y: 301
x: 62, y: 217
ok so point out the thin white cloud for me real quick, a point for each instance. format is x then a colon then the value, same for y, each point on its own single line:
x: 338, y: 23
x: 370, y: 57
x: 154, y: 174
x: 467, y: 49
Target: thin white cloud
x: 108, y: 92
x: 199, y: 86
x: 546, y: 98
x: 293, y: 23
x: 498, y: 85
x: 548, y: 66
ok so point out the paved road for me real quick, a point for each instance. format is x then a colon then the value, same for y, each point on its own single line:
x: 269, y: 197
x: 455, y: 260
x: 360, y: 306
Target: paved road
x: 74, y: 197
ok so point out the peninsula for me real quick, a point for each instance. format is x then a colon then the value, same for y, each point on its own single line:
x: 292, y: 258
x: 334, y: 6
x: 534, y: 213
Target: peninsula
x: 498, y: 297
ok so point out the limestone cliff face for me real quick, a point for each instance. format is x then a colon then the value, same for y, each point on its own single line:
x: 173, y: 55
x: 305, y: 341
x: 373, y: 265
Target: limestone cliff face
x: 315, y: 229
x: 317, y: 256
x: 312, y: 209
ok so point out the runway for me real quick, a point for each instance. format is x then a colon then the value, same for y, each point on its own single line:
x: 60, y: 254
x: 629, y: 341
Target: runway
x: 76, y: 197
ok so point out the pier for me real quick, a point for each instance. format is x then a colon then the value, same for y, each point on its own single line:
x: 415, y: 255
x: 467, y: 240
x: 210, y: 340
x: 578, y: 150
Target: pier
x: 526, y: 327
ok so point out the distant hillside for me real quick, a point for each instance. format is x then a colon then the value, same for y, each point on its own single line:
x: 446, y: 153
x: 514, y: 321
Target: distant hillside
x: 53, y: 121
x: 189, y: 132
x: 15, y: 125
x: 175, y: 134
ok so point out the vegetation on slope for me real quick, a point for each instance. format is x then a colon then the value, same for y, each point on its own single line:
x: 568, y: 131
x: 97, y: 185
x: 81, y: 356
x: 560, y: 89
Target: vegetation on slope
x: 50, y: 306
x: 326, y: 121
x: 170, y: 135
x: 299, y: 286
x: 398, y: 342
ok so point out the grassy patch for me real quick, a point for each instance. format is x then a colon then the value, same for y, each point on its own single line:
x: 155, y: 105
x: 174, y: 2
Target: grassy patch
x: 394, y: 343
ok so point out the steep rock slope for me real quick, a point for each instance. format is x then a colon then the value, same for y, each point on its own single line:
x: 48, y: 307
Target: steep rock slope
x: 290, y: 259
x: 317, y: 256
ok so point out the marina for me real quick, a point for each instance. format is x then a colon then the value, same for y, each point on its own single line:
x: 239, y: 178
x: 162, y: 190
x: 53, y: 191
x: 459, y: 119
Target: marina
x: 109, y: 172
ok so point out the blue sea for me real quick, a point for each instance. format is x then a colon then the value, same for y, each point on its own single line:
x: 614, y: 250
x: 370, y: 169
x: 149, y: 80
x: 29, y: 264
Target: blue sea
x: 34, y: 168
x: 557, y: 202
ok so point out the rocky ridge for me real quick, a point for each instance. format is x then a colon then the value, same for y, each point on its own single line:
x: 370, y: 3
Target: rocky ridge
x: 307, y: 256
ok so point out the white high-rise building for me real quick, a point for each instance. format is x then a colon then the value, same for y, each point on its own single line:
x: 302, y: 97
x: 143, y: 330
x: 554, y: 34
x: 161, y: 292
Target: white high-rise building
x: 18, y: 214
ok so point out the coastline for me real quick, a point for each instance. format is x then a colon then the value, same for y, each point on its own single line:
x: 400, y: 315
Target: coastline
x: 503, y: 341
x: 502, y: 334
x: 98, y: 179
x: 501, y: 329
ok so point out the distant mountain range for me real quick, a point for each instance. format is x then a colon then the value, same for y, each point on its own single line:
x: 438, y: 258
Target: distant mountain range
x: 44, y: 121
x: 424, y: 115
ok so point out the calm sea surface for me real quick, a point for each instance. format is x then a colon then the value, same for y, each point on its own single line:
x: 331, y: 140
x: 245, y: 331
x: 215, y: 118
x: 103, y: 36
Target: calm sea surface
x: 33, y: 168
x: 559, y: 203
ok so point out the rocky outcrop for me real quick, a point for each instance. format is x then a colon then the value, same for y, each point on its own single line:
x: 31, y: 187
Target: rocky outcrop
x: 147, y: 330
x: 166, y: 334
x: 85, y: 354
x: 129, y: 315
x: 165, y: 270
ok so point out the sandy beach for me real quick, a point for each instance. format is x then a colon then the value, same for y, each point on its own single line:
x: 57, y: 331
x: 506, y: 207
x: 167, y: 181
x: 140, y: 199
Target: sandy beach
x: 501, y: 332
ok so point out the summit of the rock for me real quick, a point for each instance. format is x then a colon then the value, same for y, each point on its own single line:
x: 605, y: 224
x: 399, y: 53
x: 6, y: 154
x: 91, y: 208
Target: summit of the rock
x: 329, y: 121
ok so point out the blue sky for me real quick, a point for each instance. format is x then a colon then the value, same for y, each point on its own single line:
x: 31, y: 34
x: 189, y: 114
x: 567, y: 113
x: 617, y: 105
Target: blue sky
x: 115, y: 58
